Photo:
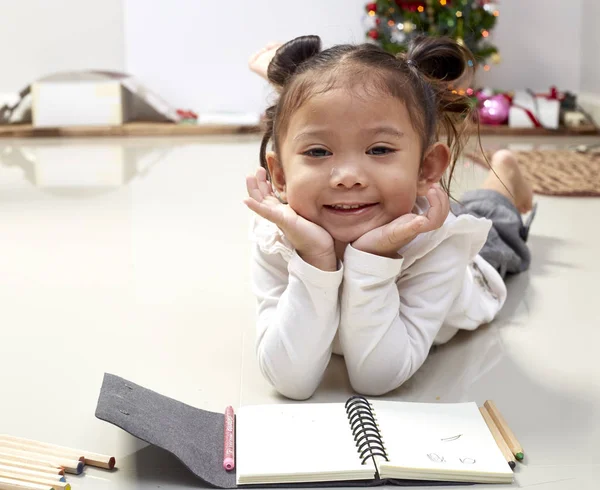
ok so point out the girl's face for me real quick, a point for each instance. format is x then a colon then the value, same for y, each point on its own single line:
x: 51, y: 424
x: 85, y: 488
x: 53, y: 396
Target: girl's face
x: 350, y: 162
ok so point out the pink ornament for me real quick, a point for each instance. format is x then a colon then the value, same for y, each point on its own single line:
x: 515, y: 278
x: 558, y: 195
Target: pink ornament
x: 483, y: 95
x: 494, y: 110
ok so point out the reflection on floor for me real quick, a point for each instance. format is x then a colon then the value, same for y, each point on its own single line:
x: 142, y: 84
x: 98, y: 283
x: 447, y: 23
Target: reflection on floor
x: 131, y: 256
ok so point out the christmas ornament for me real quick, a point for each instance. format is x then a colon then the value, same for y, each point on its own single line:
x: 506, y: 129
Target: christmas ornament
x: 494, y: 110
x: 374, y: 34
x: 398, y: 37
x: 483, y: 95
x: 496, y: 58
x: 371, y: 7
x: 408, y: 27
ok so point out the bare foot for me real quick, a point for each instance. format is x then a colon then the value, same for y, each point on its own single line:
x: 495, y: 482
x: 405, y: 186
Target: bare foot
x: 510, y: 182
x: 259, y: 61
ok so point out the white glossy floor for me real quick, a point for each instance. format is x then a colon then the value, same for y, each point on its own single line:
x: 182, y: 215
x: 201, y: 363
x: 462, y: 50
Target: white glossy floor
x: 131, y: 257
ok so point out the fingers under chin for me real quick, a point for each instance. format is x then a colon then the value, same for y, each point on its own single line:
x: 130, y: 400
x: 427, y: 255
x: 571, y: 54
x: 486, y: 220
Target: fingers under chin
x: 262, y: 211
x: 251, y: 204
x: 251, y: 185
x: 437, y: 193
x: 265, y: 188
x: 407, y: 231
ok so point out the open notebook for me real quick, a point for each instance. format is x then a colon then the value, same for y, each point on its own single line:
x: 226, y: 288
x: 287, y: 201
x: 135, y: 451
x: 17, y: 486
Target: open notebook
x: 365, y: 440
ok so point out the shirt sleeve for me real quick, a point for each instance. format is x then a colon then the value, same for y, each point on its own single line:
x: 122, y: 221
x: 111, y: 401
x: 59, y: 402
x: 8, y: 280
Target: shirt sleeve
x: 298, y: 318
x: 390, y: 317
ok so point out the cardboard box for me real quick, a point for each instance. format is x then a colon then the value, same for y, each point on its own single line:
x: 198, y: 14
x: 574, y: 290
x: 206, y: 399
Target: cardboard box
x: 77, y: 103
x: 95, y: 98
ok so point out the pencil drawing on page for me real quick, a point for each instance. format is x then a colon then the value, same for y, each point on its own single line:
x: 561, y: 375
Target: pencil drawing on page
x: 450, y: 439
x: 436, y: 458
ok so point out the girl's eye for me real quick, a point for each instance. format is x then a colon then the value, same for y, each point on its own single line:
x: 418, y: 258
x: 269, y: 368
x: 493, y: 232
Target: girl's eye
x: 380, y: 150
x: 317, y: 153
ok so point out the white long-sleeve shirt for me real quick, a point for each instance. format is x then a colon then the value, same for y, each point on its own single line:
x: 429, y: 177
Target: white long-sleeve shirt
x: 382, y: 314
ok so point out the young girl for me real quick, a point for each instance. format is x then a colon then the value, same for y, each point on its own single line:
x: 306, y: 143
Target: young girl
x: 356, y: 250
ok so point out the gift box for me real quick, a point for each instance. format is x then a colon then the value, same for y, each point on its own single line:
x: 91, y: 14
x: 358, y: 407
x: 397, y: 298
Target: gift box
x: 87, y: 98
x: 529, y: 110
x: 77, y: 102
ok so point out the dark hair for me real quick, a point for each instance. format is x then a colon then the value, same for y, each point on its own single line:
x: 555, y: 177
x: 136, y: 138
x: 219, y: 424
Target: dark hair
x: 421, y: 78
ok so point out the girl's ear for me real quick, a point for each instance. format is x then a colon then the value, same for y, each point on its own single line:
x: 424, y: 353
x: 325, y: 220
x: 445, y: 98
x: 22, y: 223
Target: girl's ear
x: 435, y: 162
x: 276, y: 174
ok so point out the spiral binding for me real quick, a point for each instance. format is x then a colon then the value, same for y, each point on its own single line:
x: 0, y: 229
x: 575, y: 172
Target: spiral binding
x: 365, y: 429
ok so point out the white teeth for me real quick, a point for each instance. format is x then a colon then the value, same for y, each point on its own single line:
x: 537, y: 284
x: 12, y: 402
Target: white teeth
x: 347, y: 206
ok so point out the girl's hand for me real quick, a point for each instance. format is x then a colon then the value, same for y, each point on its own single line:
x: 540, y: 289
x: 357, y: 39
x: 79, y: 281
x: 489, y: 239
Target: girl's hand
x: 388, y: 239
x: 311, y: 242
x: 259, y: 61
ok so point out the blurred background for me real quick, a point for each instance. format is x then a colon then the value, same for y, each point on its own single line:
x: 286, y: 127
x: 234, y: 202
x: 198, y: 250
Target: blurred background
x: 194, y: 52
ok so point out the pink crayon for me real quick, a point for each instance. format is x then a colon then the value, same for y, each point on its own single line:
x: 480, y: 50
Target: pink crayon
x: 229, y: 440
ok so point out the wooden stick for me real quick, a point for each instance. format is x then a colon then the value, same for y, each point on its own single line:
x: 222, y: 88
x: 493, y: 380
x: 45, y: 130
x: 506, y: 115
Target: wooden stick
x: 57, y: 485
x: 498, y: 438
x: 28, y: 460
x: 9, y: 484
x: 511, y: 441
x: 25, y: 471
x: 29, y: 466
x: 93, y: 459
x: 70, y: 465
x: 32, y: 449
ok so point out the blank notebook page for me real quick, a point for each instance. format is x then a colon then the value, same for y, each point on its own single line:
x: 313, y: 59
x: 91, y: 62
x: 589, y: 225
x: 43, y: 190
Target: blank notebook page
x: 291, y: 442
x: 439, y: 441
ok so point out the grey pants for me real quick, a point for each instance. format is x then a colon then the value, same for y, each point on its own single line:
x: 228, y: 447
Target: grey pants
x: 505, y: 248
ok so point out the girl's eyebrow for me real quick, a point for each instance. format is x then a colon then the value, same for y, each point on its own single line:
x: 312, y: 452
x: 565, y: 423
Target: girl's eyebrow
x: 389, y: 130
x: 316, y: 133
x: 321, y: 133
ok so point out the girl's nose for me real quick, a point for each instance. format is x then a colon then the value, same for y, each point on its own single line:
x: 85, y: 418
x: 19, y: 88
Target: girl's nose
x: 347, y: 176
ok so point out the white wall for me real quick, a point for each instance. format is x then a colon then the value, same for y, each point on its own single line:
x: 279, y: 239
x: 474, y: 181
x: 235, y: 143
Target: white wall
x: 539, y: 41
x: 195, y: 52
x: 39, y: 37
x: 590, y: 47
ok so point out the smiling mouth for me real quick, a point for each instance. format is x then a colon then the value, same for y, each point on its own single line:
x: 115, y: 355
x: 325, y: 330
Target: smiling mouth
x: 349, y: 208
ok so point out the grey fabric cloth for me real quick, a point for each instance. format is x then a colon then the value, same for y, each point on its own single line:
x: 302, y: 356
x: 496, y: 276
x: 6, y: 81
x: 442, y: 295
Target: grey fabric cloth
x: 193, y: 435
x: 505, y: 248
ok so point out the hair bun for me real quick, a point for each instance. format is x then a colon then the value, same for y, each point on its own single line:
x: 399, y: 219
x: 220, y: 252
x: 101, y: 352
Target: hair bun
x: 440, y: 58
x: 290, y: 56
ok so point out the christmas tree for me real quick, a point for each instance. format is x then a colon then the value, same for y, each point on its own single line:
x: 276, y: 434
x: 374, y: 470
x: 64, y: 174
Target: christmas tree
x: 393, y: 23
